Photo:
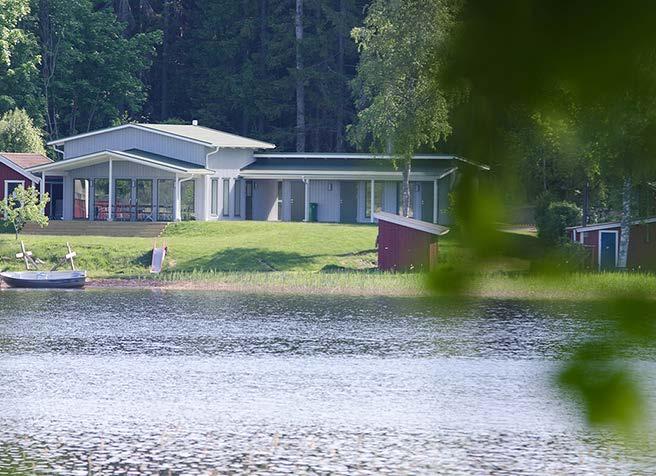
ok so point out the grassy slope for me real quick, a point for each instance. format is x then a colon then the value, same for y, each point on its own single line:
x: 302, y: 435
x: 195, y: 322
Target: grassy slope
x: 235, y: 246
x: 235, y: 254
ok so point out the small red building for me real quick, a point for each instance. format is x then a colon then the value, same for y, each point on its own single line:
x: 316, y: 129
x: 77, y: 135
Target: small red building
x: 13, y: 171
x: 406, y: 244
x: 603, y: 240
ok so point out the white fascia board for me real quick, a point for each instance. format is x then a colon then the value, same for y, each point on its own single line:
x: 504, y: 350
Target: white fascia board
x: 346, y: 175
x: 82, y: 160
x: 335, y: 155
x: 605, y: 226
x: 20, y: 170
x: 125, y: 126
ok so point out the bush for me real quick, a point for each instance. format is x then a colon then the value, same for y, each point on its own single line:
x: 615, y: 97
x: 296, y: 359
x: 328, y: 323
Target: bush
x: 566, y: 257
x: 554, y: 218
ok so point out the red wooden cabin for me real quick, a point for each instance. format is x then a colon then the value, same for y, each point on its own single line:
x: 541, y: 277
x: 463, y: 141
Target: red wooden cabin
x: 406, y: 244
x: 603, y: 240
x: 13, y: 171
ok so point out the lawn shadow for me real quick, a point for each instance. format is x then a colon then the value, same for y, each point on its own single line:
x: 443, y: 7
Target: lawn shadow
x: 247, y: 259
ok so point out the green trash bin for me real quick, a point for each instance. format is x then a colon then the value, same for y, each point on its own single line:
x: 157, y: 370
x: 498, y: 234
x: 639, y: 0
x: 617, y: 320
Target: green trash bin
x: 314, y: 214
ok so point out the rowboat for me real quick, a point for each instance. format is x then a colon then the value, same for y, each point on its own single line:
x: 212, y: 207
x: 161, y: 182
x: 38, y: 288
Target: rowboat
x: 44, y: 279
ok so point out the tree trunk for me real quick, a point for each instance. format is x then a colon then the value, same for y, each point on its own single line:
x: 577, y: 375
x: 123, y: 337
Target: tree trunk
x: 625, y: 223
x: 300, y: 80
x: 339, y: 126
x: 405, y: 196
x: 164, y: 73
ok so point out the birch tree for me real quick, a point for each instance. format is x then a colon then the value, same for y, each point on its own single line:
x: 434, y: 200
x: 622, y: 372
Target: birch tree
x: 402, y: 107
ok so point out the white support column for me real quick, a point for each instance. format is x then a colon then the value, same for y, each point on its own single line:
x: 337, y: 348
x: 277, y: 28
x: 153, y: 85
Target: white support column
x: 372, y: 196
x: 177, y: 211
x: 206, y: 197
x: 110, y: 207
x: 42, y: 185
x: 436, y: 212
x: 307, y: 199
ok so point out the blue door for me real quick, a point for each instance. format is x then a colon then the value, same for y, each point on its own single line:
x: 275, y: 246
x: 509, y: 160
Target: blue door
x: 608, y: 254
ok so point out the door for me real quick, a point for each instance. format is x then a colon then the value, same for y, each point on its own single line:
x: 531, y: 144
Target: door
x: 123, y: 199
x: 298, y: 200
x: 249, y: 199
x: 348, y: 204
x: 427, y: 201
x: 608, y: 250
x: 144, y: 204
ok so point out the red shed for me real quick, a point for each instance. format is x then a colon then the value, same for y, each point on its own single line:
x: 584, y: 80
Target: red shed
x: 406, y: 244
x: 603, y: 240
x: 13, y: 170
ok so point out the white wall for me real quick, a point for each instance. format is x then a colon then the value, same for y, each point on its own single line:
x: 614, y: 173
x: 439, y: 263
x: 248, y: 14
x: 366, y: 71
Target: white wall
x: 328, y: 200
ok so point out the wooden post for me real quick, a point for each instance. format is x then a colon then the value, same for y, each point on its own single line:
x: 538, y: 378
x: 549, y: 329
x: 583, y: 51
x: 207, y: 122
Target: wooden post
x: 71, y: 254
x: 432, y: 256
x: 23, y: 254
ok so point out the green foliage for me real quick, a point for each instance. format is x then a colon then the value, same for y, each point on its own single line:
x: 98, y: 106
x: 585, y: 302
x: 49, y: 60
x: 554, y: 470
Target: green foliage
x: 552, y: 219
x: 19, y: 60
x: 24, y: 206
x: 19, y: 134
x: 402, y: 107
x: 93, y: 75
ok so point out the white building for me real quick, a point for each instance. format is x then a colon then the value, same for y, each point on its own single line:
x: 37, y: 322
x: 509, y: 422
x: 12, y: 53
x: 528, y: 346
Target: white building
x: 167, y: 172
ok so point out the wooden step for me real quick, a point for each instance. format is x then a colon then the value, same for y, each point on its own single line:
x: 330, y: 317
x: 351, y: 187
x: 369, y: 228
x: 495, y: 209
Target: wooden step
x: 97, y: 228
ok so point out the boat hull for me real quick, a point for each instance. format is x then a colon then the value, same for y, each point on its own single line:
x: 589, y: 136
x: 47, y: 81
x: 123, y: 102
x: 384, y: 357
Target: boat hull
x: 45, y: 279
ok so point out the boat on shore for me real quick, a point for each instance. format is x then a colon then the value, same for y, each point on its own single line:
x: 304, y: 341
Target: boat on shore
x: 44, y: 279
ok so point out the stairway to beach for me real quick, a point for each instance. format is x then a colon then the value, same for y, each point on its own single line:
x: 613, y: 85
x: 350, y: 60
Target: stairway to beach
x: 97, y: 228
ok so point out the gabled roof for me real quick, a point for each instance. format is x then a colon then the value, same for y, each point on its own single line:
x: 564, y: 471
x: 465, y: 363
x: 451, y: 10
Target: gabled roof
x: 133, y: 155
x: 197, y: 134
x: 26, y: 160
x: 413, y: 223
x: 361, y: 156
x: 20, y: 162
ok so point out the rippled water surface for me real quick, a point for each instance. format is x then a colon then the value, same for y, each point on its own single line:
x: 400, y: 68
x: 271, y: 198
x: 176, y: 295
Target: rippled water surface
x: 143, y: 382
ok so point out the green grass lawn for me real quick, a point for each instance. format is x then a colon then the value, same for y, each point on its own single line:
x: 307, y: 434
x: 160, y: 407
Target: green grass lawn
x: 300, y: 257
x: 218, y: 246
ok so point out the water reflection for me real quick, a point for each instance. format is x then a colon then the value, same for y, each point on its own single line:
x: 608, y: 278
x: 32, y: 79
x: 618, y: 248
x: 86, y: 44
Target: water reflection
x: 189, y: 382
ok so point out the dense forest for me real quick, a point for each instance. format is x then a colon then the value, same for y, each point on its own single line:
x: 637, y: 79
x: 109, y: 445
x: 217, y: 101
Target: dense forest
x: 278, y: 70
x: 337, y: 75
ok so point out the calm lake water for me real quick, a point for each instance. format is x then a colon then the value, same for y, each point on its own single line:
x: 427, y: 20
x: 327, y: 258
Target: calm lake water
x: 146, y: 382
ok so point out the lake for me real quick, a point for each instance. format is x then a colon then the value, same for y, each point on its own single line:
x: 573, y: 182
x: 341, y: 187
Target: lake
x: 160, y: 382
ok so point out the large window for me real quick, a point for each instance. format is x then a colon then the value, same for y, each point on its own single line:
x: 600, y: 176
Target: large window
x: 188, y: 200
x: 123, y: 199
x: 165, y: 200
x: 226, y: 197
x: 379, y: 189
x: 81, y: 199
x: 238, y: 198
x: 214, y: 197
x: 101, y: 198
x: 144, y: 205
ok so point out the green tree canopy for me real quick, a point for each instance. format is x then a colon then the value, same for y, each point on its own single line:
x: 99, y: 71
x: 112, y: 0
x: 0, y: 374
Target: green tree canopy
x: 23, y: 206
x: 19, y: 134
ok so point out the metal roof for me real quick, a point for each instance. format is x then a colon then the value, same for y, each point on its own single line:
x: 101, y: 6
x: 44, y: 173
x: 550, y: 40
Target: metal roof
x: 413, y: 223
x: 132, y: 155
x: 352, y: 156
x: 210, y: 136
x: 341, y: 168
x: 197, y: 134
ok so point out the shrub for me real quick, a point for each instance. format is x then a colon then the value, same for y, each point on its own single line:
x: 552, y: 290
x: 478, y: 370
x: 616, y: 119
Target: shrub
x: 553, y: 219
